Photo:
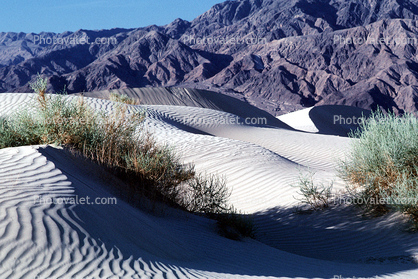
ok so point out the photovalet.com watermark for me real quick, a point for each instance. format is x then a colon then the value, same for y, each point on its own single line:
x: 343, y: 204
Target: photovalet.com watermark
x: 346, y: 200
x: 352, y: 120
x: 72, y: 40
x: 358, y: 40
x: 74, y: 200
x: 225, y: 120
x: 192, y: 40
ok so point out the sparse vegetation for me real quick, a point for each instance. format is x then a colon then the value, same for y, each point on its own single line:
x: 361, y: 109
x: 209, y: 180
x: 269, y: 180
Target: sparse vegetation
x: 383, y: 164
x: 39, y: 86
x: 207, y: 194
x: 115, y: 97
x: 118, y: 142
x: 316, y: 196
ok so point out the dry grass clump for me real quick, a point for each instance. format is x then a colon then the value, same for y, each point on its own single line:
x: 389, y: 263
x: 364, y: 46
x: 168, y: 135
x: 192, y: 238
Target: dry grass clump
x: 383, y: 164
x: 115, y: 97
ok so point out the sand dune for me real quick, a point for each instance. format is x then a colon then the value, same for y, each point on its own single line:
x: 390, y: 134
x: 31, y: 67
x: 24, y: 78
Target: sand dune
x: 173, y: 96
x: 327, y: 120
x: 260, y: 162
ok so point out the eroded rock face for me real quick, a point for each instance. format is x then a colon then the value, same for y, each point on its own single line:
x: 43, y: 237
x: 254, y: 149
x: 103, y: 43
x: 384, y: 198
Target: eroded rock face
x: 279, y: 55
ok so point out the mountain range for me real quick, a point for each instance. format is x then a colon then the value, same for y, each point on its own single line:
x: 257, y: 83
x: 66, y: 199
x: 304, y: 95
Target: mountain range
x: 277, y: 55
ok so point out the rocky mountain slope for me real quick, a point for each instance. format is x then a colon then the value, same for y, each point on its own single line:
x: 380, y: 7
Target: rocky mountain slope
x: 278, y: 55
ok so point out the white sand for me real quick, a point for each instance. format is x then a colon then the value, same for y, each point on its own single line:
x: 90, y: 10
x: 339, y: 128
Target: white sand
x: 328, y: 120
x: 118, y: 241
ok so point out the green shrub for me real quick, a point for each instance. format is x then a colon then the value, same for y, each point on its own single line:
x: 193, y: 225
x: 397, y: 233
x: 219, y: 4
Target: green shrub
x: 382, y: 167
x: 317, y: 196
x: 39, y: 85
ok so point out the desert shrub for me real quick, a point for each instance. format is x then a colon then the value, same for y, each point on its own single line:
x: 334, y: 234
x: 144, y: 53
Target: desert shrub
x: 205, y: 193
x: 315, y: 195
x: 115, y: 97
x: 117, y: 141
x: 382, y: 166
x: 208, y: 194
x: 113, y: 140
x: 39, y: 85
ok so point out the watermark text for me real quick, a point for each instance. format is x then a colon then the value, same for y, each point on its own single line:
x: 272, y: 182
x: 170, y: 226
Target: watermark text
x: 74, y: 200
x: 72, y: 40
x: 353, y: 40
x: 191, y: 40
x: 225, y: 120
x: 352, y: 120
